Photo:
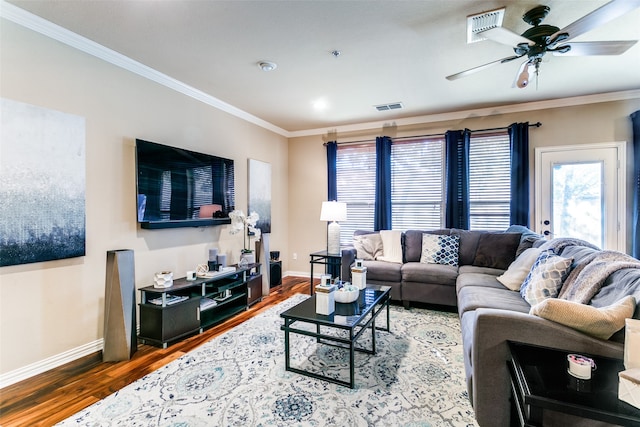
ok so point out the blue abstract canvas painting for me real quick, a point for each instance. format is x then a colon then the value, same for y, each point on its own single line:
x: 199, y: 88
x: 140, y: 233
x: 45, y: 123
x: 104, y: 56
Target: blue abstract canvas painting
x: 42, y: 184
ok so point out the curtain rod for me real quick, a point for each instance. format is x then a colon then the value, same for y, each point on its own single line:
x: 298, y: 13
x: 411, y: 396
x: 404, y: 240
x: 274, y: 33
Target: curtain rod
x: 537, y: 125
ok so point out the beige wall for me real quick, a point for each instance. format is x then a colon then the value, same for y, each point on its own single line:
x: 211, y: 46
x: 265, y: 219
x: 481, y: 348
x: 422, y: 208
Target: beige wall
x: 585, y: 124
x: 47, y: 309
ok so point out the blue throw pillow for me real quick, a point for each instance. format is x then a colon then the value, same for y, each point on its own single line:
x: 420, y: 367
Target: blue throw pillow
x: 440, y: 249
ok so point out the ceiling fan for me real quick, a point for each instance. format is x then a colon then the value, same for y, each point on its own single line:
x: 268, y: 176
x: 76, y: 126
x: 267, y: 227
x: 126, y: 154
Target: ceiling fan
x: 540, y: 39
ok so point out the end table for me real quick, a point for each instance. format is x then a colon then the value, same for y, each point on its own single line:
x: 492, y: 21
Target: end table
x: 540, y: 382
x: 333, y: 262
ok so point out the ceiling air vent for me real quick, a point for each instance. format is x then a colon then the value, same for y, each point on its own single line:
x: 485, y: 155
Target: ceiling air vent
x: 386, y: 107
x: 481, y: 22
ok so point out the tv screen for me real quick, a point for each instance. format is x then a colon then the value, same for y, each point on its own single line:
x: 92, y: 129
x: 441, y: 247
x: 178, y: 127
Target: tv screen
x: 182, y: 188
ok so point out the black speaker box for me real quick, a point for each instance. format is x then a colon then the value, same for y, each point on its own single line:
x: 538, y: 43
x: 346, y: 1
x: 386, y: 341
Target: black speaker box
x: 276, y: 273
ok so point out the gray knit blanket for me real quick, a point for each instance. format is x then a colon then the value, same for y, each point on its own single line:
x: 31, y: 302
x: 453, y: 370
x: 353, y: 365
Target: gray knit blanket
x: 559, y: 243
x: 588, y: 276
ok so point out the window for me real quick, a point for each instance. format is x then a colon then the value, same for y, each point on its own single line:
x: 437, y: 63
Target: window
x: 417, y: 190
x: 356, y: 182
x: 489, y: 182
x: 418, y: 183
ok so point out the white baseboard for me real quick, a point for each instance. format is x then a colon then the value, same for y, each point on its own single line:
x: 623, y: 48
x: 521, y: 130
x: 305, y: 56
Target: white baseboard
x: 296, y: 273
x: 36, y: 368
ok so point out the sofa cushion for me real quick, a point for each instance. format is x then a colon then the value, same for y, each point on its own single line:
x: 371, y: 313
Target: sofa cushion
x: 601, y: 323
x: 413, y: 243
x: 496, y: 250
x: 368, y: 246
x: 474, y: 297
x: 477, y: 279
x: 519, y: 269
x: 483, y: 270
x: 545, y: 278
x: 383, y: 271
x: 618, y: 285
x: 528, y: 239
x: 440, y: 249
x: 468, y: 244
x: 391, y: 246
x: 429, y: 273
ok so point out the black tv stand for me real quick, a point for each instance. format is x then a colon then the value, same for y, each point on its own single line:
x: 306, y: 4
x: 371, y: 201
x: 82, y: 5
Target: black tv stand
x: 203, y: 303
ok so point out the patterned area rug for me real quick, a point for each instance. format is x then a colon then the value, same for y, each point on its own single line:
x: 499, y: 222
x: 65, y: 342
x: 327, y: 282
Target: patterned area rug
x: 416, y: 379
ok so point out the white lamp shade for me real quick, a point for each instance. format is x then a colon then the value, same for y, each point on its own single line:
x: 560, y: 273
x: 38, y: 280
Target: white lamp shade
x: 333, y: 211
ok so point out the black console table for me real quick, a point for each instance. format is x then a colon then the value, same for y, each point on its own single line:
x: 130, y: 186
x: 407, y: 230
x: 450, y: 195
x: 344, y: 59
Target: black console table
x: 540, y: 382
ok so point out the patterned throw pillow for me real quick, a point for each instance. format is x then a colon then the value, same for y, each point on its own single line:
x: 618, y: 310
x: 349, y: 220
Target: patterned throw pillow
x: 545, y: 277
x: 440, y: 249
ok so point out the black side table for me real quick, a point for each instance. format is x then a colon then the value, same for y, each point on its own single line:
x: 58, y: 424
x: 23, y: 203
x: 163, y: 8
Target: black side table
x: 540, y: 382
x: 332, y: 262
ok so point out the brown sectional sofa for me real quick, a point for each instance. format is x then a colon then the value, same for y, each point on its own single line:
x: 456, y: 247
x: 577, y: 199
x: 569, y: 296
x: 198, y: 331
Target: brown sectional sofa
x: 492, y: 315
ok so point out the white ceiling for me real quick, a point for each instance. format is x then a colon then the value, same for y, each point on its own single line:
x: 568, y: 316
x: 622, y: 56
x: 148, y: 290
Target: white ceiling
x: 391, y: 51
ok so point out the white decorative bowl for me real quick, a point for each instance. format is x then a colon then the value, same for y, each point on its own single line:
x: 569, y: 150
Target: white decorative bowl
x: 343, y: 296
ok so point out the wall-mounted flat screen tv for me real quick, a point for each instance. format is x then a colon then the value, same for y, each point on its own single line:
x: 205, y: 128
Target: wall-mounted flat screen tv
x: 182, y: 188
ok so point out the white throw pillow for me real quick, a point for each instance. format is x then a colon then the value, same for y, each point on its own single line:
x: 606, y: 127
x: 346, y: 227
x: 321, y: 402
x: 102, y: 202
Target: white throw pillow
x: 440, y: 249
x: 518, y: 270
x: 368, y: 246
x: 391, y: 246
x: 545, y: 278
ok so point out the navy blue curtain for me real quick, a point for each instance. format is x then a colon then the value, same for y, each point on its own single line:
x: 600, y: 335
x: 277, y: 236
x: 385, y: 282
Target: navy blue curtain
x: 457, y: 185
x: 332, y: 192
x: 332, y: 181
x: 382, y: 215
x: 519, y: 137
x: 635, y: 225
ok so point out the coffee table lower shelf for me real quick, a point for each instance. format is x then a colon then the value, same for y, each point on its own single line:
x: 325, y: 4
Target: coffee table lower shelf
x: 354, y: 318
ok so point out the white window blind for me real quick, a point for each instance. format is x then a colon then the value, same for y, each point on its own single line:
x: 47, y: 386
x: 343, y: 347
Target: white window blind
x: 417, y: 184
x: 489, y: 181
x: 356, y: 180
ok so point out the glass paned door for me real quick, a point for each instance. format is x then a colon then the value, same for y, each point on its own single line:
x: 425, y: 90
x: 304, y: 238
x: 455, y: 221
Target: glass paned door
x: 577, y: 203
x: 579, y: 192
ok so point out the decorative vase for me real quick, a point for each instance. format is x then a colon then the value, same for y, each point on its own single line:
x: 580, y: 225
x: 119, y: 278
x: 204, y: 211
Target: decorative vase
x: 246, y: 258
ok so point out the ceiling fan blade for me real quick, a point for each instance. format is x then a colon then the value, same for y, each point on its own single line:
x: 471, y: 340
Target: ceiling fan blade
x: 481, y: 67
x: 597, y: 48
x: 505, y: 36
x: 600, y: 16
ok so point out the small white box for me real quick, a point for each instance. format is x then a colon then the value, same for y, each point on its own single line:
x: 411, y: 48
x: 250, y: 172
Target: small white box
x: 632, y: 344
x: 629, y: 386
x: 359, y: 277
x: 325, y: 299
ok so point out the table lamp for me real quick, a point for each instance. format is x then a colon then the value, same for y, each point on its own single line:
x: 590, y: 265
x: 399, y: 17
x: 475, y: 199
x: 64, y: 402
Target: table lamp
x: 333, y: 212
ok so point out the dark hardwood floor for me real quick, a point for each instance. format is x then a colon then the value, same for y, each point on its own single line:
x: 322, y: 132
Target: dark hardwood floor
x: 57, y: 394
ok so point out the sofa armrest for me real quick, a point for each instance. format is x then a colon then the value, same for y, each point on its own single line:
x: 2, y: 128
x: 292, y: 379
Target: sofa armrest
x: 348, y: 257
x: 490, y: 352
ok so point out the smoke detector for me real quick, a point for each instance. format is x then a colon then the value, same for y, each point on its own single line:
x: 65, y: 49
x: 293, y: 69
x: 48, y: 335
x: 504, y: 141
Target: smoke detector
x: 267, y: 65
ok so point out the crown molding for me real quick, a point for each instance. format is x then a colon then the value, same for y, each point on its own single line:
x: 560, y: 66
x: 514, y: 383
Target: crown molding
x: 481, y: 112
x: 33, y: 22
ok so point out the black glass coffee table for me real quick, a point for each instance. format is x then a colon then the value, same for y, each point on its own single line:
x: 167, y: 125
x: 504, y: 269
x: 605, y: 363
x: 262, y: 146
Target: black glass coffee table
x: 353, y: 319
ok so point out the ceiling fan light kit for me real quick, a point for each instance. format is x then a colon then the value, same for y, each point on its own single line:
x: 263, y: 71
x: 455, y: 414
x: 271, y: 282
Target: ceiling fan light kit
x: 536, y: 41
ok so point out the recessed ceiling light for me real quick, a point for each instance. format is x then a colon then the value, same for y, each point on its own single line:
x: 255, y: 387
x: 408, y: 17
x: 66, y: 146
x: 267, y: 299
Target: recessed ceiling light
x: 320, y: 104
x: 267, y: 65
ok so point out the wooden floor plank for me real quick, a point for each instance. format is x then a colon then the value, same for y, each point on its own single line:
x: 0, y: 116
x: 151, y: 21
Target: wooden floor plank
x: 57, y: 394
